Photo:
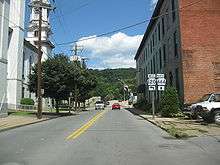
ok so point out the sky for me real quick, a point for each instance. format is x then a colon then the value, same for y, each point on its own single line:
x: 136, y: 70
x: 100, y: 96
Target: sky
x: 79, y: 19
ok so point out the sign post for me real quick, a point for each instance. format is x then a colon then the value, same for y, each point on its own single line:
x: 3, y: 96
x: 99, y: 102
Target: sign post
x: 156, y: 82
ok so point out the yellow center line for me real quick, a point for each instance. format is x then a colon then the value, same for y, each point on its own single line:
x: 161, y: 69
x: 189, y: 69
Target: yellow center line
x: 86, y: 126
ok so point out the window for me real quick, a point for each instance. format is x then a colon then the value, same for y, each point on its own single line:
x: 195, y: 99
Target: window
x: 23, y: 66
x: 175, y: 44
x: 160, y: 58
x: 36, y: 33
x: 22, y: 92
x: 154, y: 64
x: 145, y: 54
x: 158, y: 31
x: 30, y: 65
x: 151, y: 47
x: 167, y: 19
x: 177, y: 79
x: 163, y: 27
x: 171, y: 78
x: 9, y: 36
x: 173, y: 10
x: 164, y: 54
x: 151, y: 65
x: 217, y: 98
x: 153, y: 40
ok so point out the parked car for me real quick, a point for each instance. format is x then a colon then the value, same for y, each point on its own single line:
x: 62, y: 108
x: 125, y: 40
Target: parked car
x: 116, y: 106
x: 99, y: 105
x: 208, y: 107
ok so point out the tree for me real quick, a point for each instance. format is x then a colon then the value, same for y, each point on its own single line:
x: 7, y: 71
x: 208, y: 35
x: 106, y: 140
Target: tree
x: 55, y: 76
x: 169, y: 103
x: 88, y: 82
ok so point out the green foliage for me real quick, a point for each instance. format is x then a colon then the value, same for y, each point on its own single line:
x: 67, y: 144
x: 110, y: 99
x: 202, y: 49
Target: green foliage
x: 109, y: 87
x: 169, y: 104
x: 60, y: 77
x: 27, y: 101
x: 143, y: 104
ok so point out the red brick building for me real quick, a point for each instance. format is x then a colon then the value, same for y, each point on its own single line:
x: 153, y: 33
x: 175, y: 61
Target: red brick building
x: 184, y: 43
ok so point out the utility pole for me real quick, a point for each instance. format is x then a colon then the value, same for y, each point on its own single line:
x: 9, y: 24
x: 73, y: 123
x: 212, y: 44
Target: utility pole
x: 76, y: 49
x: 39, y: 65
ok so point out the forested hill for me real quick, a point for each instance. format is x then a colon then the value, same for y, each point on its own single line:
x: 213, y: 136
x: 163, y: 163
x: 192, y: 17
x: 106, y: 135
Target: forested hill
x: 108, y: 82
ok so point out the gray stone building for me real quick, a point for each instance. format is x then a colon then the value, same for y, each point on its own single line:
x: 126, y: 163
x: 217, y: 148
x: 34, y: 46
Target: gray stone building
x: 159, y: 50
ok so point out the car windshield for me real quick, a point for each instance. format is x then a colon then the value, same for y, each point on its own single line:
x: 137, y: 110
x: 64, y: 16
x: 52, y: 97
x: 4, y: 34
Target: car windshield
x: 217, y: 97
x: 205, y: 98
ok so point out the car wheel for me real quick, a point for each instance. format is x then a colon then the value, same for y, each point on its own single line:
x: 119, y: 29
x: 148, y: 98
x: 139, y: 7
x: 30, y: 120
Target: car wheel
x: 217, y: 117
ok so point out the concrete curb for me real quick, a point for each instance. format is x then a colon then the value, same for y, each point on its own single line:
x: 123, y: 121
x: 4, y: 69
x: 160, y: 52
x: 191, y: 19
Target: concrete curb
x: 22, y: 125
x: 150, y: 121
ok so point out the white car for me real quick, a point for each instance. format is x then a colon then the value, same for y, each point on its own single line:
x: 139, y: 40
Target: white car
x: 208, y: 107
x: 99, y: 105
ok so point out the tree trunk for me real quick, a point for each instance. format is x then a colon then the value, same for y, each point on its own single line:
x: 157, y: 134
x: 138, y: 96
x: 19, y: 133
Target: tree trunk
x: 57, y: 105
x: 78, y: 106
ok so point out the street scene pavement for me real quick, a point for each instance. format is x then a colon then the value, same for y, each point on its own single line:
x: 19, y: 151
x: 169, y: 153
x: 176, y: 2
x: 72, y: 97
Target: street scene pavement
x: 103, y: 137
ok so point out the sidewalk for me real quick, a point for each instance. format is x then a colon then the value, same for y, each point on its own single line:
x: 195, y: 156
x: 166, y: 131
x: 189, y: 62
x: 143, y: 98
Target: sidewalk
x: 180, y: 127
x: 13, y: 121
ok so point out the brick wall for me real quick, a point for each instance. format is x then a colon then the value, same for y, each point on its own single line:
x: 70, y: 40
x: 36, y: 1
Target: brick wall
x: 200, y: 47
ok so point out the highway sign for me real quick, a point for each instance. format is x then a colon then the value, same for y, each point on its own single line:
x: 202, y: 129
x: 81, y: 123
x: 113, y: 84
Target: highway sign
x: 151, y: 75
x: 151, y: 81
x: 152, y: 88
x: 161, y: 88
x: 161, y: 81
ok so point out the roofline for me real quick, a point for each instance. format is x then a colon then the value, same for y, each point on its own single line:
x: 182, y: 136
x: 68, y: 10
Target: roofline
x: 29, y: 45
x: 149, y: 27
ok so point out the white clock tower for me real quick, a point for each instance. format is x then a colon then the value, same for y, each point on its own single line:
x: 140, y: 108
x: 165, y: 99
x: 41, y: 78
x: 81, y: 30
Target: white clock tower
x: 32, y: 34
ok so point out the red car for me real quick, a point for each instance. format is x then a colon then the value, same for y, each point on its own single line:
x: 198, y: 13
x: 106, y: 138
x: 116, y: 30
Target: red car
x: 116, y: 106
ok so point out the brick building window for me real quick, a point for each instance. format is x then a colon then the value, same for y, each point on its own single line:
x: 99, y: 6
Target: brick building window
x: 177, y: 79
x: 158, y: 31
x: 171, y: 78
x: 163, y: 26
x: 146, y: 55
x: 151, y: 46
x: 151, y: 66
x: 167, y: 20
x: 154, y: 64
x: 175, y: 44
x: 153, y: 40
x: 160, y: 58
x: 173, y: 10
x: 164, y: 54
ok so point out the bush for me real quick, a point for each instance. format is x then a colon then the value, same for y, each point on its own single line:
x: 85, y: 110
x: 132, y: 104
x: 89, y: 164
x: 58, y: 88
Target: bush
x: 143, y: 104
x: 27, y: 101
x: 169, y: 104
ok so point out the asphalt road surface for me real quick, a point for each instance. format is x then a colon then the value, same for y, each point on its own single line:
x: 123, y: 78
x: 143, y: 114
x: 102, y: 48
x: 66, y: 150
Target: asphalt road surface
x: 103, y: 138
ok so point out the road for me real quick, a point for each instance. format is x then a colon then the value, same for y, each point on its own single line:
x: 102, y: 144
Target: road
x: 103, y: 138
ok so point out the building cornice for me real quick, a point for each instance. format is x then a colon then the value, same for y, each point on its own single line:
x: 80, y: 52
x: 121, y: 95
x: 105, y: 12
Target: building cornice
x: 149, y: 27
x: 30, y: 46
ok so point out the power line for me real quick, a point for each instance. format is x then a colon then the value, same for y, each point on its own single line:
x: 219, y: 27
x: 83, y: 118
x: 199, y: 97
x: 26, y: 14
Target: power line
x: 129, y: 26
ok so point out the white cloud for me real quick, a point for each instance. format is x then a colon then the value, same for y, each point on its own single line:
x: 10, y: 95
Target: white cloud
x: 116, y: 51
